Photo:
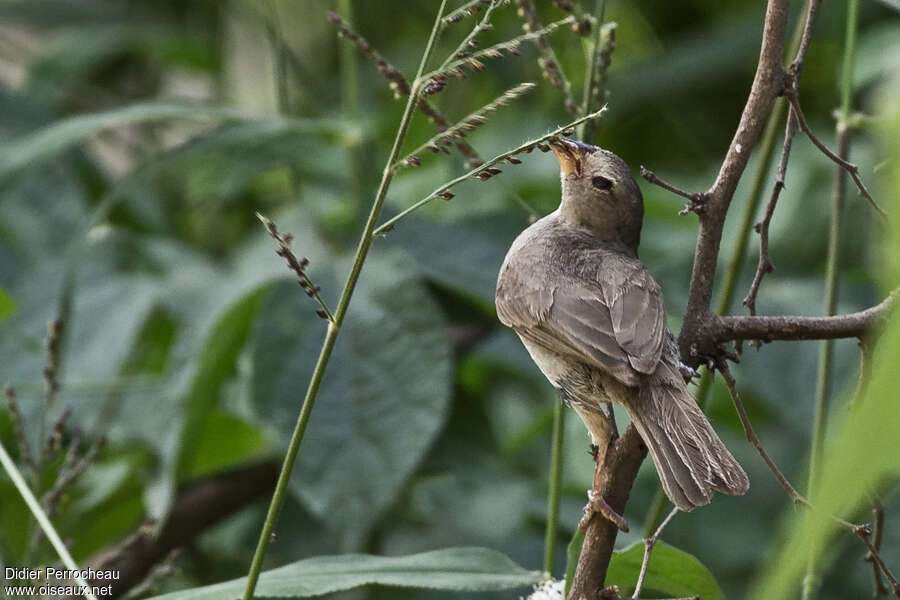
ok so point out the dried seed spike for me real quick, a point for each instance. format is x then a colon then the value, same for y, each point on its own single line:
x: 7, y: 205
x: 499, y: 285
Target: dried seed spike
x: 513, y: 160
x: 304, y: 262
x: 321, y: 314
x: 288, y: 238
x: 413, y: 161
x: 543, y: 147
x: 446, y: 195
x: 493, y: 171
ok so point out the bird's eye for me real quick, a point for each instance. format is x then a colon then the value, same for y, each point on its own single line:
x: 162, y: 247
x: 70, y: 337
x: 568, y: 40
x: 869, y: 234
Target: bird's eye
x: 601, y: 183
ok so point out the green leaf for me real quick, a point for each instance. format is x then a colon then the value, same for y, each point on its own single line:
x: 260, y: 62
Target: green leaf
x: 215, y: 365
x: 454, y: 569
x: 671, y: 572
x: 46, y: 142
x: 221, y: 440
x: 383, y: 400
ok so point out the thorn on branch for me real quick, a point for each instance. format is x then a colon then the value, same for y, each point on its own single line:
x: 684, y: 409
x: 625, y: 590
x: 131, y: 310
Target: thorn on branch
x: 297, y: 266
x: 697, y: 202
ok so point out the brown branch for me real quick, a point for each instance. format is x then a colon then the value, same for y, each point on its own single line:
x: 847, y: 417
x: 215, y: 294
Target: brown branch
x: 782, y: 327
x: 768, y: 83
x: 697, y: 200
x: 197, y: 507
x: 613, y: 478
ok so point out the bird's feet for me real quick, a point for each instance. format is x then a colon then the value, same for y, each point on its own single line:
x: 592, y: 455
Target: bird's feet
x: 688, y: 373
x: 596, y: 504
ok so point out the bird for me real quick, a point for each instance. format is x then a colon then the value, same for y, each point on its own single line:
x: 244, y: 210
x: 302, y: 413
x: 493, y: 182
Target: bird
x: 592, y: 318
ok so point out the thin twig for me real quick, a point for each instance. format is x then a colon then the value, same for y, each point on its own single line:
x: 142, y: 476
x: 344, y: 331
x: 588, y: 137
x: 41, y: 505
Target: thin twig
x: 863, y: 534
x: 795, y: 496
x: 484, y: 172
x: 851, y: 168
x: 648, y: 548
x: 861, y: 531
x: 764, y: 265
x: 697, y: 199
x: 877, y: 532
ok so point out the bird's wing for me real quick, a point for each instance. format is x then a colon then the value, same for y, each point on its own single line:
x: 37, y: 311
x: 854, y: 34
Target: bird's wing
x: 638, y: 316
x: 618, y: 326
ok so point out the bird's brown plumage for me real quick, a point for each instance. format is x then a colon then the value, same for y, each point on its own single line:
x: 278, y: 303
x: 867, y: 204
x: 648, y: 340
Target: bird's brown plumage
x: 592, y: 317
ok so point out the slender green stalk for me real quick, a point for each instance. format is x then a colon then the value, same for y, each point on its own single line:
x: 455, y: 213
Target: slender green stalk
x: 556, y: 455
x: 586, y: 130
x: 387, y: 225
x: 334, y: 327
x: 832, y: 274
x: 10, y: 467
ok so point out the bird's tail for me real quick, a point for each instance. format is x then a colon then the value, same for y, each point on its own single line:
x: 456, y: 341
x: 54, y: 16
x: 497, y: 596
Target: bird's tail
x: 691, y: 460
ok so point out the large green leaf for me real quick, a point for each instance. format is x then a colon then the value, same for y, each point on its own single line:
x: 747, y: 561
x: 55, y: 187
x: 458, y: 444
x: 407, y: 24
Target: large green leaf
x: 54, y: 138
x: 671, y: 573
x: 383, y: 399
x: 456, y: 569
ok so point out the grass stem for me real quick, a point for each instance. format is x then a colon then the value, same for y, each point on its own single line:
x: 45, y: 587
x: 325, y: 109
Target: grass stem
x: 334, y: 326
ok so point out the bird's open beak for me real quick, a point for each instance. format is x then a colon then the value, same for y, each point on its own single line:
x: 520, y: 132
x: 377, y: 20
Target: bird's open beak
x: 570, y: 154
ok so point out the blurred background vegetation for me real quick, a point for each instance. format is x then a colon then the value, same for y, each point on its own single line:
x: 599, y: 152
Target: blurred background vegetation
x: 188, y: 346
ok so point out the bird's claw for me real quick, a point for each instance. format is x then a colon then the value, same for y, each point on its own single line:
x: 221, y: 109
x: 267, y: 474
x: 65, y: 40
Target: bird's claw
x: 596, y: 504
x: 687, y: 372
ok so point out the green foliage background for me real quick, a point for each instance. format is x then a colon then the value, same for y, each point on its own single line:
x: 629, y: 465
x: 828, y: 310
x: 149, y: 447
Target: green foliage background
x: 189, y: 347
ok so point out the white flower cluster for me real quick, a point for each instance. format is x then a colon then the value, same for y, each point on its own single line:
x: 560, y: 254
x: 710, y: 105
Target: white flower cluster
x: 549, y: 590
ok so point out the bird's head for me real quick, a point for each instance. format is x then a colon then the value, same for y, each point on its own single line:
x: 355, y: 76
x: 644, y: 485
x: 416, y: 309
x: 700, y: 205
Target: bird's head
x: 598, y: 193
